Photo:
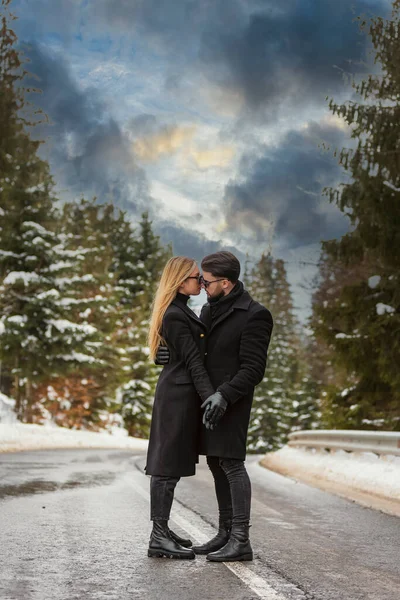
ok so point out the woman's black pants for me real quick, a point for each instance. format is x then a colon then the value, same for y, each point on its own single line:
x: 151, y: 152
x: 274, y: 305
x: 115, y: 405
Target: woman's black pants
x: 161, y: 496
x: 232, y: 488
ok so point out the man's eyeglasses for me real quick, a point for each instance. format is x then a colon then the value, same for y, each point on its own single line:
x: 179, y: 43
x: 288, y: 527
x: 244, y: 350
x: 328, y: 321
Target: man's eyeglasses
x: 200, y: 280
x: 208, y: 283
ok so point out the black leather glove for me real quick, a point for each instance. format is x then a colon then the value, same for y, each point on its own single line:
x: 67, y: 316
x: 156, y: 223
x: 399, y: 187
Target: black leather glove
x: 214, y: 409
x: 162, y: 355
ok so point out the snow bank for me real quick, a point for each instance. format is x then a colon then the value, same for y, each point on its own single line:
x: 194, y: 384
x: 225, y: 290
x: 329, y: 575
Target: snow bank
x: 18, y: 437
x: 347, y: 473
x: 7, y: 414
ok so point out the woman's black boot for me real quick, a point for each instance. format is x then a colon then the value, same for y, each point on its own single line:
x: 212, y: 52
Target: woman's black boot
x: 217, y: 541
x: 237, y: 548
x: 162, y: 545
x: 186, y: 543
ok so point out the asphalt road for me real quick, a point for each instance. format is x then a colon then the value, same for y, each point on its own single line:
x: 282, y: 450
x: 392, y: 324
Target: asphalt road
x: 74, y: 525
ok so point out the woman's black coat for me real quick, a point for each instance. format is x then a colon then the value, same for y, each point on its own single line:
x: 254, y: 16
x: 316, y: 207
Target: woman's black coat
x: 182, y: 386
x: 237, y: 346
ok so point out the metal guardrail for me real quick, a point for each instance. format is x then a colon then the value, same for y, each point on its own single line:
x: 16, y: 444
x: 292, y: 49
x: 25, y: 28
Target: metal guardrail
x: 378, y: 442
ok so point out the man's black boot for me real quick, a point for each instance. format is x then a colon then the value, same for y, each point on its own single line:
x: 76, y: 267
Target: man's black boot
x: 162, y: 545
x: 186, y: 543
x: 237, y: 548
x: 217, y: 541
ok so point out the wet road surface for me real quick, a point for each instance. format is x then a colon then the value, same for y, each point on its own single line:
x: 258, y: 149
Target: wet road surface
x: 74, y: 525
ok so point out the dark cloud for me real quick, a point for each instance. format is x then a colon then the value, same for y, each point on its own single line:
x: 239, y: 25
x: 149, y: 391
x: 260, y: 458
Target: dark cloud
x: 273, y: 56
x: 293, y: 56
x: 58, y: 20
x: 88, y: 151
x: 277, y: 57
x: 90, y: 154
x: 144, y: 124
x: 187, y: 242
x: 283, y: 186
x: 177, y: 25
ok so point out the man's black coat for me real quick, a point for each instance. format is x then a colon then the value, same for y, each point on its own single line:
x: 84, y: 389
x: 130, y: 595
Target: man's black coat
x: 237, y: 346
x: 182, y: 386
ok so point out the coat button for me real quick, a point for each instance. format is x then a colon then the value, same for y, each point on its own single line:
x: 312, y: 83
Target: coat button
x: 202, y: 335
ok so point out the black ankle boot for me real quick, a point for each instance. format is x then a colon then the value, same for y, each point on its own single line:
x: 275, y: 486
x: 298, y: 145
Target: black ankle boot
x: 186, y: 543
x: 237, y: 548
x: 217, y: 541
x: 162, y: 545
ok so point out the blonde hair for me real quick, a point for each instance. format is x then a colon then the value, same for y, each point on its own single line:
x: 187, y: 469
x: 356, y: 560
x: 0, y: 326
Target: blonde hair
x: 174, y: 274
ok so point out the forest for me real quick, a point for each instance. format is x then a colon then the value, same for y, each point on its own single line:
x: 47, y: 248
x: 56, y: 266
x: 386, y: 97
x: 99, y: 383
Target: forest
x: 77, y: 281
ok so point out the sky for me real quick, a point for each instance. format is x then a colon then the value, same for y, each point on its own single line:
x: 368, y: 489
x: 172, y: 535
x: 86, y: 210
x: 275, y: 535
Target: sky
x: 210, y: 114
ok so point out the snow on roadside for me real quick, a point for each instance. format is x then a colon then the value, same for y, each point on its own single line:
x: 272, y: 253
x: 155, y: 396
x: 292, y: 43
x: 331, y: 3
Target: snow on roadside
x: 364, y: 472
x: 7, y: 414
x: 18, y: 437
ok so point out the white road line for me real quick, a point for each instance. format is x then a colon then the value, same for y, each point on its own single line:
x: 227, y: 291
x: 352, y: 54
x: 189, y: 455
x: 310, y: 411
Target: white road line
x: 265, y: 509
x: 257, y: 584
x: 268, y: 509
x: 202, y: 531
x: 280, y: 523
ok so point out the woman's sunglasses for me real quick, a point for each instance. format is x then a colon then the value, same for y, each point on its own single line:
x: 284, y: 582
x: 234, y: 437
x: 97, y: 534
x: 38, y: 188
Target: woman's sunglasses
x: 199, y: 278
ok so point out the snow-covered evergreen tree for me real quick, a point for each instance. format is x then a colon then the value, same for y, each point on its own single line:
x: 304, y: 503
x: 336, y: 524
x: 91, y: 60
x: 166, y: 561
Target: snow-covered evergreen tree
x: 282, y: 400
x: 125, y: 265
x: 89, y: 229
x: 38, y: 338
x: 306, y: 404
x: 147, y: 259
x: 76, y: 285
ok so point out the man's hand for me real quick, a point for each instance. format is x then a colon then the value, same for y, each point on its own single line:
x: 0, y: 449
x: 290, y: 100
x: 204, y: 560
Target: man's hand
x: 162, y: 355
x: 214, y: 409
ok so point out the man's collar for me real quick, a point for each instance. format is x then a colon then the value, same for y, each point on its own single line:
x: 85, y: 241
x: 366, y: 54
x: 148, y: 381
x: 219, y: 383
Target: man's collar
x: 243, y: 302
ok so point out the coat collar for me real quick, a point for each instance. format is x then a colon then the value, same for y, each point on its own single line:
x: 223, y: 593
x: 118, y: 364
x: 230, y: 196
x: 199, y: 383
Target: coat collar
x: 242, y: 303
x: 180, y: 304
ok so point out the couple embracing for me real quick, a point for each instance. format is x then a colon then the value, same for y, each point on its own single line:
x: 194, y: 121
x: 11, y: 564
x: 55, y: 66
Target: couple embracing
x: 203, y: 398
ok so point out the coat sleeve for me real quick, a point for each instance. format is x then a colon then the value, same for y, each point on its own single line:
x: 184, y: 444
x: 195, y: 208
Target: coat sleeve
x: 179, y: 335
x: 252, y: 355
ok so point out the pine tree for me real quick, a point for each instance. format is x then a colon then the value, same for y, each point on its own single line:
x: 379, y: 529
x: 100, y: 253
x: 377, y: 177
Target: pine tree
x: 90, y: 230
x: 361, y: 323
x: 123, y: 266
x: 37, y: 337
x: 75, y: 288
x: 300, y: 402
x: 334, y: 381
x: 148, y: 258
x: 306, y: 412
x: 246, y: 277
x: 280, y: 397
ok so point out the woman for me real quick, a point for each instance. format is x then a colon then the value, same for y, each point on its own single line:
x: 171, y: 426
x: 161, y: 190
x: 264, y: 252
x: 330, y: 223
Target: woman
x: 182, y: 386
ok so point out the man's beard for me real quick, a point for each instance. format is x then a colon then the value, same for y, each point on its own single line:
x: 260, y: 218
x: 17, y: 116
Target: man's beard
x: 213, y: 299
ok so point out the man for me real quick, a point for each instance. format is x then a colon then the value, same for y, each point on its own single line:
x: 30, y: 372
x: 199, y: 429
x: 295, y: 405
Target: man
x: 238, y: 334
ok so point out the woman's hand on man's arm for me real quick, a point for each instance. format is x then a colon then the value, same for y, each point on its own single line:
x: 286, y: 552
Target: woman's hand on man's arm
x: 162, y: 355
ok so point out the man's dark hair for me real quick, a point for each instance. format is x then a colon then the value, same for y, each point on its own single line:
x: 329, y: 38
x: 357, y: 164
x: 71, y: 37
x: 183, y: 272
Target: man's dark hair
x: 222, y: 264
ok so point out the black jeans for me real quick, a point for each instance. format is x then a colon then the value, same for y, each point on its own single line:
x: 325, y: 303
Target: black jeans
x: 161, y: 496
x: 233, y: 489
